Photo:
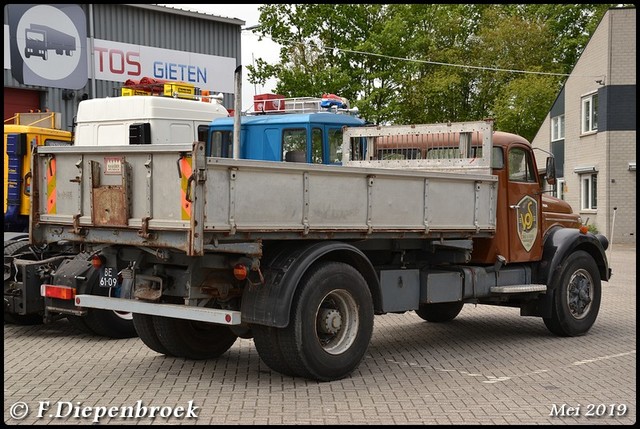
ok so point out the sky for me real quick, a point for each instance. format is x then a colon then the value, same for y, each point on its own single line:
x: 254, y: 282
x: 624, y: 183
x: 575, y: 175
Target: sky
x: 252, y: 49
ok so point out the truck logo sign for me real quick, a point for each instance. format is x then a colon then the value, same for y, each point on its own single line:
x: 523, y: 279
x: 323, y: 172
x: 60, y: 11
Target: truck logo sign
x: 48, y: 45
x: 527, y: 221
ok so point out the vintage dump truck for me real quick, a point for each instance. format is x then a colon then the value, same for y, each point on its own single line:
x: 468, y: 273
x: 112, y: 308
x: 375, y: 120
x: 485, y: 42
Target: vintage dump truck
x: 141, y: 120
x: 301, y: 255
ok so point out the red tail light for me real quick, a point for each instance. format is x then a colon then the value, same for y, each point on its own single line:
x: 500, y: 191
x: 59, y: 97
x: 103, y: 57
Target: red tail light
x: 60, y: 292
x: 97, y: 261
x: 240, y: 272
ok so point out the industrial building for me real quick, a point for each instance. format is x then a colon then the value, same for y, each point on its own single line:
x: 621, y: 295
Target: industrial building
x: 57, y: 55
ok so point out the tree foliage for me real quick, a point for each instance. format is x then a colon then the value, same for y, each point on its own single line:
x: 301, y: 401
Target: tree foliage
x: 422, y: 63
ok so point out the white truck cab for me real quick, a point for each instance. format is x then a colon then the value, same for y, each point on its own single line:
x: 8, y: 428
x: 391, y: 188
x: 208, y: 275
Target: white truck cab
x: 144, y: 119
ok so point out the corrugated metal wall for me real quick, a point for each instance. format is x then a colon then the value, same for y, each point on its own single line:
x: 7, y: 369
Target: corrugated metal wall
x: 149, y: 26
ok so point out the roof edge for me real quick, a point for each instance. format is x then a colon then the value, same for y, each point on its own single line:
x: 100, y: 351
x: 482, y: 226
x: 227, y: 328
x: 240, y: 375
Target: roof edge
x: 189, y: 13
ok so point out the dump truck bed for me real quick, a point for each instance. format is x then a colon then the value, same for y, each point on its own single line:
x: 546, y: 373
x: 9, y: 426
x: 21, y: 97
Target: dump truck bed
x: 172, y: 196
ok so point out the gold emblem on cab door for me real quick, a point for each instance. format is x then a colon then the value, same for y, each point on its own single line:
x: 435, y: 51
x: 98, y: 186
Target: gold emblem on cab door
x: 527, y: 221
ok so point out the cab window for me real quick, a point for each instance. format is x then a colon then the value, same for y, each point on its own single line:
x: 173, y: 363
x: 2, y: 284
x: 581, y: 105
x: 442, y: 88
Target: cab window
x: 520, y: 166
x: 294, y: 145
x: 221, y: 144
x: 335, y: 145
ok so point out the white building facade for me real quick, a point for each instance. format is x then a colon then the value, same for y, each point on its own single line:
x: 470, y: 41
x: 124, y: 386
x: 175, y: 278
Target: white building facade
x: 591, y: 130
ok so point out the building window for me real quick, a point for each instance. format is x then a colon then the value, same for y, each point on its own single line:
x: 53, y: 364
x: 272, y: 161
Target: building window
x: 590, y: 113
x: 557, y: 128
x: 589, y: 185
x: 560, y: 189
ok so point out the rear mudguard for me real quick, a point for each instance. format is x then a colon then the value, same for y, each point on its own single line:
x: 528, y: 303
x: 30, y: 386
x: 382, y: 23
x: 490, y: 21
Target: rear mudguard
x: 270, y: 303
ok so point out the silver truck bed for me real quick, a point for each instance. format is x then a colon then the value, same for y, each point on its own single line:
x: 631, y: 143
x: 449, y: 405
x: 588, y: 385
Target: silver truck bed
x: 138, y: 195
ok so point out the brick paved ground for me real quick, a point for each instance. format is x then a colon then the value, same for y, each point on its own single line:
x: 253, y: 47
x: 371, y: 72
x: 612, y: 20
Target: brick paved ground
x: 488, y: 366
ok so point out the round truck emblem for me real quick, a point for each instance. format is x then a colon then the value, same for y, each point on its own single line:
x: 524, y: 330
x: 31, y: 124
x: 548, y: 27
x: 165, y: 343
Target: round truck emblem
x: 527, y: 221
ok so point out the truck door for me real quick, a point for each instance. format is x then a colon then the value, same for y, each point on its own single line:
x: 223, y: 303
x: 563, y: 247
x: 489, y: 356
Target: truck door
x: 523, y: 199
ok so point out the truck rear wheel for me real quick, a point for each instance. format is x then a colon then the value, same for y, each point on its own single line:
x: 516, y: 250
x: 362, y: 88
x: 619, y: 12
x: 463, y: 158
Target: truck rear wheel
x: 79, y: 323
x: 108, y: 323
x: 143, y: 324
x: 440, y: 312
x: 193, y: 340
x: 577, y: 295
x: 267, y: 344
x: 331, y: 323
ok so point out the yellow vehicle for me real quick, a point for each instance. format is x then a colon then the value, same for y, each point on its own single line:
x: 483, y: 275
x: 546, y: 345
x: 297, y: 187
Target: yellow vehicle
x: 21, y: 133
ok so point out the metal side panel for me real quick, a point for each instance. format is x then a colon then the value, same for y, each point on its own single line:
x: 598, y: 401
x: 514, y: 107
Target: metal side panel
x: 250, y: 196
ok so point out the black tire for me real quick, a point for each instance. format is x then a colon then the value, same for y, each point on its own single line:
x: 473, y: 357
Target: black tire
x: 577, y: 292
x: 108, y: 323
x: 23, y: 319
x: 79, y: 323
x: 266, y: 340
x: 440, y: 312
x: 331, y: 323
x: 13, y: 247
x: 143, y: 324
x: 193, y: 340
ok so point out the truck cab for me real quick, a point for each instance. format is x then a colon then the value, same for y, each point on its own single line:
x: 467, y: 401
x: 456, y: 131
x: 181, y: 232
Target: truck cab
x: 301, y: 130
x: 525, y: 213
x: 144, y: 119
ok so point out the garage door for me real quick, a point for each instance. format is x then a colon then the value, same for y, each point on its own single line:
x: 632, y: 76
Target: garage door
x: 19, y: 101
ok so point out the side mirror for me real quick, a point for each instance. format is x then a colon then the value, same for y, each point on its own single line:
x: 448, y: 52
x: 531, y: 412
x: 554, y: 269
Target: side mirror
x: 551, y: 170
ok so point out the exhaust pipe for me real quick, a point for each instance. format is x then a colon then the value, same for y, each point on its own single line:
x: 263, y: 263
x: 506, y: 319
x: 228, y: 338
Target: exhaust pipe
x: 237, y: 104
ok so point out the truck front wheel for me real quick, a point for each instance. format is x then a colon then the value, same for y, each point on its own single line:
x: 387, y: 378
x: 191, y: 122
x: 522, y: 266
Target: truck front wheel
x: 440, y: 311
x: 331, y: 323
x: 577, y: 295
x: 193, y: 340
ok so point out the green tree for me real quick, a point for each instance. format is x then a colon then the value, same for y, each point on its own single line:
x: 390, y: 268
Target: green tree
x: 521, y: 105
x: 421, y: 63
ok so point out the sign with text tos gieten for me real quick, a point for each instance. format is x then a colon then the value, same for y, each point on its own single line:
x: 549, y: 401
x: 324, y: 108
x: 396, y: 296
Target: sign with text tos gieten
x: 47, y: 45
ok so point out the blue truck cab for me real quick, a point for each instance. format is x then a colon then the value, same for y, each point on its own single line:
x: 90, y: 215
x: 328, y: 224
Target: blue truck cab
x: 293, y: 137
